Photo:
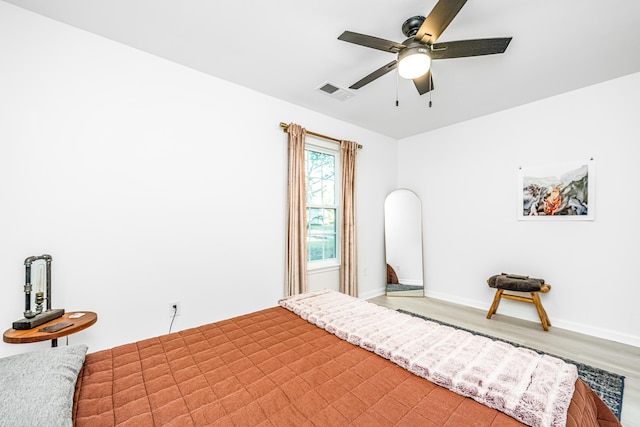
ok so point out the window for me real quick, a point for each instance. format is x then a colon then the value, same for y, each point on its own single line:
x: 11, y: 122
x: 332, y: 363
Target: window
x: 322, y: 178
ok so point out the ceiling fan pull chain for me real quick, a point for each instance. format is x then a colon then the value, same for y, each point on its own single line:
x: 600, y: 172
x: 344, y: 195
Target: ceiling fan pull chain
x: 397, y: 102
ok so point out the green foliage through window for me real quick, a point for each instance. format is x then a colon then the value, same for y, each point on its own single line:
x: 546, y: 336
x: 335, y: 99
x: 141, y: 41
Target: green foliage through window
x: 320, y: 170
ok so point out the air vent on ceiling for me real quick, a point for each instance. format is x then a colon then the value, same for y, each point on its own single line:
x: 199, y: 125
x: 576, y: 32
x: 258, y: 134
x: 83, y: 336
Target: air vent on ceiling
x: 335, y: 91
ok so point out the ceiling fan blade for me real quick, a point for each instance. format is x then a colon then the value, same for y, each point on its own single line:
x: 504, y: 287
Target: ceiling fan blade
x: 424, y: 83
x: 372, y: 42
x: 438, y: 20
x: 464, y: 48
x: 377, y: 73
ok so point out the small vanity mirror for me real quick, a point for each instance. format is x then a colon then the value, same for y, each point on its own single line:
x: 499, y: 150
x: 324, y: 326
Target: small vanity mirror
x: 403, y: 244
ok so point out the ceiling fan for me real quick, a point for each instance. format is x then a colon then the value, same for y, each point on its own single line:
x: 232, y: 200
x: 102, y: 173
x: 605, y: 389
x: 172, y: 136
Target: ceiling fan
x: 414, y: 55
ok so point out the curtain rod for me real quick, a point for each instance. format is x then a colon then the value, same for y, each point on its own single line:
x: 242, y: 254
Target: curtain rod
x: 285, y: 127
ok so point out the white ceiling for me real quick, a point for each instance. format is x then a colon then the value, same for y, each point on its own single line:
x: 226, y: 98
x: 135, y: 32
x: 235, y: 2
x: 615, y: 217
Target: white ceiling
x: 287, y: 48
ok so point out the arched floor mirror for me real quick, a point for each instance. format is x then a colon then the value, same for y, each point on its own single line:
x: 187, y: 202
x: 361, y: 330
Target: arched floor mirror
x: 403, y: 244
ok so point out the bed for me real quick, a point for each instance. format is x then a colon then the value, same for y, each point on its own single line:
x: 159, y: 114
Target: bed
x: 273, y: 367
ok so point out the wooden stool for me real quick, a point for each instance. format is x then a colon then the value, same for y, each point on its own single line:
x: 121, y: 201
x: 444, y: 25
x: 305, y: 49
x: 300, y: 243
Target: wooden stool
x: 521, y: 284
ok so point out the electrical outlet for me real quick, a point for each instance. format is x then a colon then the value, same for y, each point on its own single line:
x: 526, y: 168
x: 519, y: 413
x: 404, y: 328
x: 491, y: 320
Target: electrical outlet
x: 174, y: 308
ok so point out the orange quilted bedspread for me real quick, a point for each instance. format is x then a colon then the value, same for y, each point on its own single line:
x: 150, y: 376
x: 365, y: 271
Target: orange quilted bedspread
x: 272, y: 368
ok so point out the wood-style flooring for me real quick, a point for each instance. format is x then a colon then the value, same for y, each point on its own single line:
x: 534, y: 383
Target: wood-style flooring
x: 608, y: 355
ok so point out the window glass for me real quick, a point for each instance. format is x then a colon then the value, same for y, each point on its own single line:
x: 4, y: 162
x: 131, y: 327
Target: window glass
x: 321, y: 170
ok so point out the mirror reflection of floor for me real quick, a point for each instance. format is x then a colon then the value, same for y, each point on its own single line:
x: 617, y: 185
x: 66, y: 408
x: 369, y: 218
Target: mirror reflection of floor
x: 400, y: 290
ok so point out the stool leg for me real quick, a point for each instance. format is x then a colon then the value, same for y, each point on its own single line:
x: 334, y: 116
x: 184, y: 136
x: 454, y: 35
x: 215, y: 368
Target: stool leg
x: 496, y: 302
x: 544, y: 319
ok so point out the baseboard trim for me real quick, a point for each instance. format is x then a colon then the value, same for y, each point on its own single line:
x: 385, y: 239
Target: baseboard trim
x: 603, y: 333
x: 372, y: 294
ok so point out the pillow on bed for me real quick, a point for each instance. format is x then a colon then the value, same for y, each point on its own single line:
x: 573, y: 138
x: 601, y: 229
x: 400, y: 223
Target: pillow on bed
x: 36, y: 388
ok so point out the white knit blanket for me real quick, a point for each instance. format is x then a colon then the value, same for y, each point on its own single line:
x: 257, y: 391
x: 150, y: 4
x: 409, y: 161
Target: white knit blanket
x: 533, y: 388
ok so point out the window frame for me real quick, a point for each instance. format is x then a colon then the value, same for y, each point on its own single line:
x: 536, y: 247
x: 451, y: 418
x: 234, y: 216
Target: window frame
x: 331, y: 148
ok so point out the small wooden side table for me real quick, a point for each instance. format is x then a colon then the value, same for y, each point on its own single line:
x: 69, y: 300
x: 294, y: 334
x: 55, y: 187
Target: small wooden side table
x: 17, y: 336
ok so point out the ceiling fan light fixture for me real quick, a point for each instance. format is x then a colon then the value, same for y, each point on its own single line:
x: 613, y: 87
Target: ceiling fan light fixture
x: 414, y: 62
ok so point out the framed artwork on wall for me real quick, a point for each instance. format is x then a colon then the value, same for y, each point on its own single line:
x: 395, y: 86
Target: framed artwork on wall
x: 557, y: 192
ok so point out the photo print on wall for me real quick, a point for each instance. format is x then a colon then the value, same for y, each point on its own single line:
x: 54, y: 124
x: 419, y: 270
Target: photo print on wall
x: 557, y: 192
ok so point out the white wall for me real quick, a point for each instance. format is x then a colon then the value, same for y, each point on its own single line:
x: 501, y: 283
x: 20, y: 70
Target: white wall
x: 466, y: 176
x: 149, y: 183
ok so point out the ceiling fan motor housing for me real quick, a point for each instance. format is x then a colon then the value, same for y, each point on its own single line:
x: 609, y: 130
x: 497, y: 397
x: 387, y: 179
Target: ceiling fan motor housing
x: 413, y: 47
x: 411, y: 26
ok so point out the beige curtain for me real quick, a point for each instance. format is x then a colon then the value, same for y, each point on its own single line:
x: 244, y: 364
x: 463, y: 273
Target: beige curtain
x: 296, y: 263
x: 349, y: 264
